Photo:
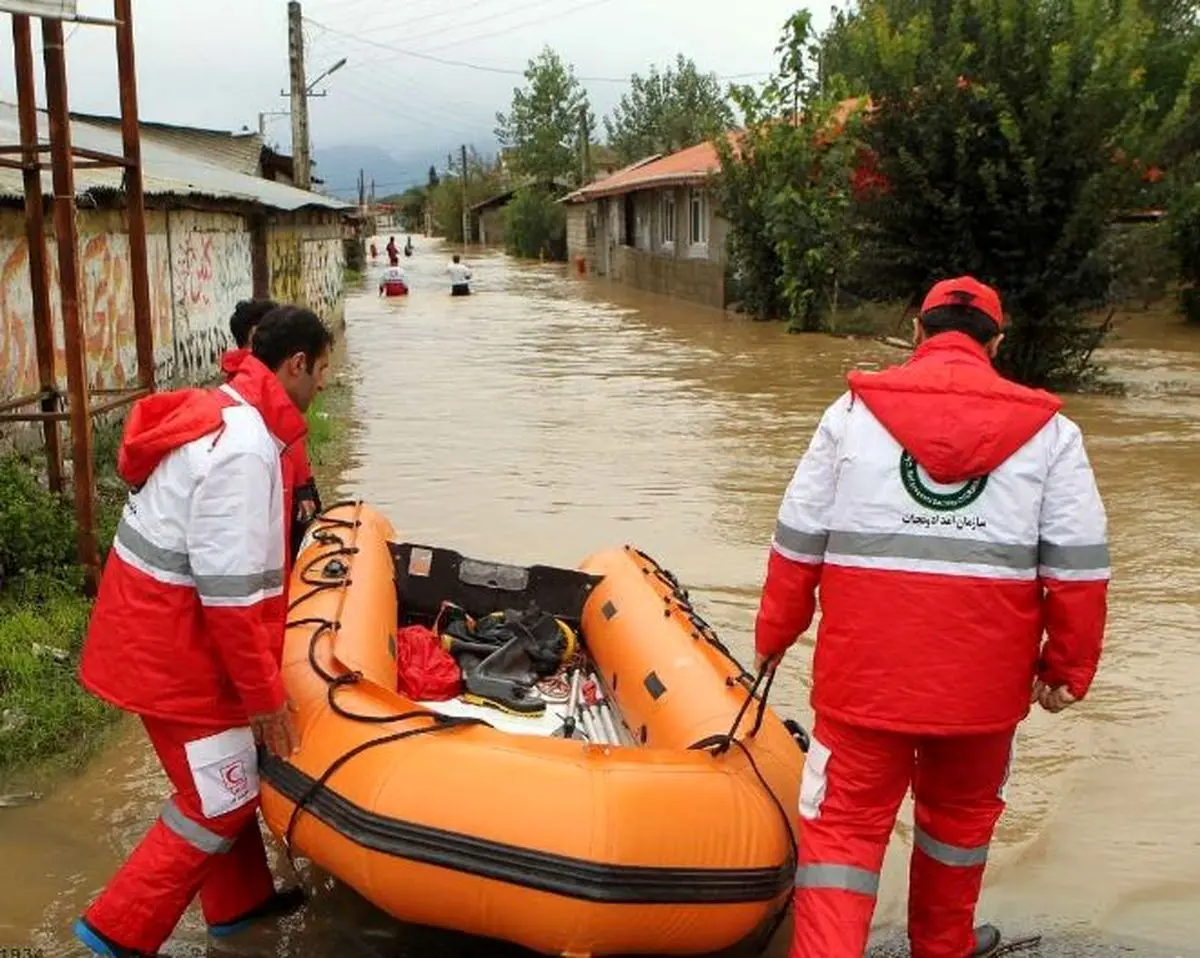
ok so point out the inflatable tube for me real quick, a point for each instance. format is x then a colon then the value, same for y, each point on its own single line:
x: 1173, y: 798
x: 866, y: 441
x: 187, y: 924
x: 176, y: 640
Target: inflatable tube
x: 679, y: 842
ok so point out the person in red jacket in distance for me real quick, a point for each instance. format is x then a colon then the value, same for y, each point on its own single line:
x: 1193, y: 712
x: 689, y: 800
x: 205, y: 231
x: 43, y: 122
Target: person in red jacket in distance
x: 301, y: 497
x: 187, y: 633
x: 950, y: 521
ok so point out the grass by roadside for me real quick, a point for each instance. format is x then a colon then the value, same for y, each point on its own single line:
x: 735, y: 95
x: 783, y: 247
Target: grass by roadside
x: 43, y: 612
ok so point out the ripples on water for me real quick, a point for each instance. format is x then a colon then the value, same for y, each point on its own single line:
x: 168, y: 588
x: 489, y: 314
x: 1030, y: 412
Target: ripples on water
x: 546, y: 417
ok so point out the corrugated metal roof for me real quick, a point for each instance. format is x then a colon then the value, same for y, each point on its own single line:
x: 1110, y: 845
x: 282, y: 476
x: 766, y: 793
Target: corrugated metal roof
x: 239, y: 152
x: 167, y: 170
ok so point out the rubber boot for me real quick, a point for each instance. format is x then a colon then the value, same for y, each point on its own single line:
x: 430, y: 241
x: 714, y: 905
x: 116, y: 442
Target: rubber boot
x: 98, y: 944
x: 987, y: 940
x: 279, y: 905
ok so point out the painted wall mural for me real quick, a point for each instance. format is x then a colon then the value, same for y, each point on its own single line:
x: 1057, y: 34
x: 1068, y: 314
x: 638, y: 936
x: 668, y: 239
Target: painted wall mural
x: 199, y: 267
x: 211, y: 271
x: 106, y: 313
x: 323, y: 268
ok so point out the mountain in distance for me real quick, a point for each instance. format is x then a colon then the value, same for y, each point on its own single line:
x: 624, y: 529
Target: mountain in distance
x: 393, y: 172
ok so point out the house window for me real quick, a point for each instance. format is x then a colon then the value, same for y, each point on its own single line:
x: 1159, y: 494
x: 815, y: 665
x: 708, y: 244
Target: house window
x: 698, y: 218
x: 667, y: 224
x: 590, y: 226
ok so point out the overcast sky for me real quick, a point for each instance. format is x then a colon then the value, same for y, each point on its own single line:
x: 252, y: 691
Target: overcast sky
x: 218, y: 63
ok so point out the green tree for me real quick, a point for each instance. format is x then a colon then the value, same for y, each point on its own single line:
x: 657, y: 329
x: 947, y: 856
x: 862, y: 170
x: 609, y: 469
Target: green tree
x: 1007, y: 130
x: 446, y: 199
x: 542, y: 128
x: 786, y: 187
x: 535, y: 225
x: 668, y: 111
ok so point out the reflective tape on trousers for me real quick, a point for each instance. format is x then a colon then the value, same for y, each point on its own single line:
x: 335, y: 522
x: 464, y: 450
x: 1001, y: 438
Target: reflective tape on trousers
x: 844, y: 877
x: 953, y: 855
x: 193, y: 833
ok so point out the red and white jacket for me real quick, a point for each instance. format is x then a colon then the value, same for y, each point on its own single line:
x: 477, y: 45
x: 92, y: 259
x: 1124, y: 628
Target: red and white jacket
x: 189, y: 621
x: 948, y: 518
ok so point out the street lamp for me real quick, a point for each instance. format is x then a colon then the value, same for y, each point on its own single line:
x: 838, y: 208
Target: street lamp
x: 333, y: 69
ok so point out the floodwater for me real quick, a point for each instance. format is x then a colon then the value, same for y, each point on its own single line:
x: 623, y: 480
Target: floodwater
x: 547, y: 416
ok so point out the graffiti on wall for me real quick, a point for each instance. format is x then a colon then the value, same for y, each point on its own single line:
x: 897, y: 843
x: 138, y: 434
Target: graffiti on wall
x: 211, y: 271
x: 287, y: 266
x: 198, y: 270
x: 323, y: 271
x: 106, y: 312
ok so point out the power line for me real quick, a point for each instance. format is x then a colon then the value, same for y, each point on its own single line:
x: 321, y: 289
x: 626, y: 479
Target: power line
x: 402, y: 52
x: 570, y: 11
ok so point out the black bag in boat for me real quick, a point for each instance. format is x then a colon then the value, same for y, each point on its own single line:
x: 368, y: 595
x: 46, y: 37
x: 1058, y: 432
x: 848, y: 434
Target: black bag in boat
x: 503, y: 655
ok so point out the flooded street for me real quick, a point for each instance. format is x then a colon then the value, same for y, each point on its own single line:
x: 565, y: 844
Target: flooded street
x: 546, y: 417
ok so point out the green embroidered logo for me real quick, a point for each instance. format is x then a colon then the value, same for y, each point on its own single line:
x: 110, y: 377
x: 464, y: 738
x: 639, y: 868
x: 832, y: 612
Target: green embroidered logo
x: 959, y: 498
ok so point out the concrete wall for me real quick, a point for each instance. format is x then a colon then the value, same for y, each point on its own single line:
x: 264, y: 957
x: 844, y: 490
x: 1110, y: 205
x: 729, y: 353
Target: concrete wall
x: 200, y: 265
x: 694, y: 272
x: 696, y: 280
x: 582, y: 233
x: 491, y: 229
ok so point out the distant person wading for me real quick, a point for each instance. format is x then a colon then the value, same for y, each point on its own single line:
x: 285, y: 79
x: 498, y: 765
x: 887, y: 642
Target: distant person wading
x: 460, y: 277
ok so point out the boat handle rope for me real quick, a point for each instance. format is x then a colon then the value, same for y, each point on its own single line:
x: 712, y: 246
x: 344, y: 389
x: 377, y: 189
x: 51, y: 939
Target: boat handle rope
x: 684, y: 602
x: 340, y: 579
x: 719, y: 744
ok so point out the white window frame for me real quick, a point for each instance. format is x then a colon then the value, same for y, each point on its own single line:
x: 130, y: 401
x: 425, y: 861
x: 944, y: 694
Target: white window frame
x: 698, y: 221
x: 668, y: 215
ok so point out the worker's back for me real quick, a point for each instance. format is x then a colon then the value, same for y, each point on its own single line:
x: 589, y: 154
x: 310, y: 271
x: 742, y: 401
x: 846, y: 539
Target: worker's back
x: 953, y: 486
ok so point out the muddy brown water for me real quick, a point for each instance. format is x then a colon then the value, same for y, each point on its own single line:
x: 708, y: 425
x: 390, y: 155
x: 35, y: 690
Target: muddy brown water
x: 548, y: 416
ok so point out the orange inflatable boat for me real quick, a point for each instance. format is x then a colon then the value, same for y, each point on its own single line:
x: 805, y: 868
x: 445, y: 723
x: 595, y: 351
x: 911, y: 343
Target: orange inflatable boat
x: 660, y: 819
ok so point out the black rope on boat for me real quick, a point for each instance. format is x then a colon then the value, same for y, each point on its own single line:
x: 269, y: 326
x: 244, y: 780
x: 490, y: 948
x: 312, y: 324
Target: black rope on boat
x: 720, y: 744
x: 683, y: 600
x: 335, y: 577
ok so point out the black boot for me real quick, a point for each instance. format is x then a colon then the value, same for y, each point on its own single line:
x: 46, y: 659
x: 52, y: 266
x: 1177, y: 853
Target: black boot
x: 987, y: 940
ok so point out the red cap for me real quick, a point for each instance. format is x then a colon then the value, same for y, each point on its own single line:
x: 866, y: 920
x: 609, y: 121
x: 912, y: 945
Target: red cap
x: 965, y: 291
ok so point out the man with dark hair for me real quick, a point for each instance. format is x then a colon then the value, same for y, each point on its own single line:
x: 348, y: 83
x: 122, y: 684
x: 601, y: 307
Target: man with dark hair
x: 299, y: 483
x: 187, y: 633
x: 947, y: 517
x: 247, y: 314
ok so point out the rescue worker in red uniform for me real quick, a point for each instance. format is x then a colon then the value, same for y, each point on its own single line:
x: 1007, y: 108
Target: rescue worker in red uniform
x: 947, y: 517
x: 299, y: 485
x: 187, y: 633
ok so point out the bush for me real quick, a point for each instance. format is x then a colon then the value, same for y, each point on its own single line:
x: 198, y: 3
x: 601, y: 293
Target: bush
x: 535, y: 226
x: 38, y: 526
x: 1010, y: 133
x: 1184, y: 221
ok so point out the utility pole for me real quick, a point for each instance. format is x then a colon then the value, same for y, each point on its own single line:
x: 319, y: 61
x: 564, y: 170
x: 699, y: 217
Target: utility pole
x: 585, y: 144
x: 299, y: 93
x: 466, y: 215
x: 362, y: 189
x: 372, y: 191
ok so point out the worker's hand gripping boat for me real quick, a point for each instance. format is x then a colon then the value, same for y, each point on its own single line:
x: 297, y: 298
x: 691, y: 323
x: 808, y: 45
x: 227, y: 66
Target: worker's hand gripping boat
x: 644, y: 805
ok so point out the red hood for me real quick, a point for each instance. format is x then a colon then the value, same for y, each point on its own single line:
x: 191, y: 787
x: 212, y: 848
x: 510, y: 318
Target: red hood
x: 161, y: 423
x: 951, y: 410
x: 233, y: 359
x: 261, y: 389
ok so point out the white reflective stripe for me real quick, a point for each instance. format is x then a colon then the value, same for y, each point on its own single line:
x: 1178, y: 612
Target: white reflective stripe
x: 953, y: 855
x: 1077, y: 563
x: 961, y: 569
x: 844, y: 877
x: 233, y: 394
x: 165, y: 559
x: 813, y: 780
x: 907, y: 545
x: 194, y: 834
x: 800, y: 546
x: 238, y: 586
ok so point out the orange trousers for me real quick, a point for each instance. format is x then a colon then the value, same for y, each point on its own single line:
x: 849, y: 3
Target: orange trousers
x: 854, y: 781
